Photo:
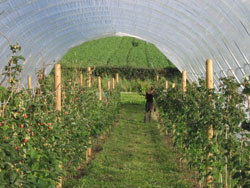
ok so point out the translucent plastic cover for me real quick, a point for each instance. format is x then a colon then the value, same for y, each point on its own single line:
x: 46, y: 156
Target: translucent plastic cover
x: 187, y: 31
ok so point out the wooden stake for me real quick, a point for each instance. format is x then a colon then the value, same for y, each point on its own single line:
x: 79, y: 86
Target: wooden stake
x: 89, y: 77
x: 58, y: 86
x: 210, y: 132
x: 3, y: 108
x: 184, y: 81
x: 100, y: 88
x: 166, y: 84
x: 248, y: 101
x: 117, y: 78
x: 44, y: 67
x: 173, y: 131
x: 29, y: 82
x: 59, y: 185
x: 113, y: 83
x: 58, y: 102
x: 173, y: 85
x: 81, y: 84
x: 109, y: 85
x: 87, y: 155
x: 90, y: 149
x: 1, y: 111
x: 209, y: 65
x: 157, y: 77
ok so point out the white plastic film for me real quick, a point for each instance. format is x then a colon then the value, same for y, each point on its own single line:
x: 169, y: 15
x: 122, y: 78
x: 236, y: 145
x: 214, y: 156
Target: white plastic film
x: 187, y: 31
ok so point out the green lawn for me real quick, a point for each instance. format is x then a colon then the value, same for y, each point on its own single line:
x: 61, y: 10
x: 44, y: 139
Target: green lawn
x: 136, y: 155
x: 116, y: 52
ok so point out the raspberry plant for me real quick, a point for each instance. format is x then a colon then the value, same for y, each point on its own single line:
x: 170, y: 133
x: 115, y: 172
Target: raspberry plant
x: 38, y: 144
x: 187, y: 118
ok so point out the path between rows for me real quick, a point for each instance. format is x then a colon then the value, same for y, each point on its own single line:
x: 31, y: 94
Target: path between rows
x: 135, y: 155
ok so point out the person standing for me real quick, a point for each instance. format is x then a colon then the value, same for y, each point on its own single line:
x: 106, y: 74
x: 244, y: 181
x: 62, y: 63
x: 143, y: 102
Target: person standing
x: 149, y: 104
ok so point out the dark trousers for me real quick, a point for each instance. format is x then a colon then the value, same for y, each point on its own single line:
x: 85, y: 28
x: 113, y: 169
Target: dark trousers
x: 149, y: 108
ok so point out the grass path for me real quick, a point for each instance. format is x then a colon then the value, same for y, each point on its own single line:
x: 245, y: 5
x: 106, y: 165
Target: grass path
x: 135, y: 155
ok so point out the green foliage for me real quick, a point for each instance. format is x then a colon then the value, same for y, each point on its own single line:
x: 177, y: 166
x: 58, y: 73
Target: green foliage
x: 133, y: 59
x: 116, y: 52
x: 2, y: 93
x: 246, y: 85
x: 13, y: 69
x: 187, y: 118
x: 135, y: 85
x: 35, y: 139
x: 130, y: 73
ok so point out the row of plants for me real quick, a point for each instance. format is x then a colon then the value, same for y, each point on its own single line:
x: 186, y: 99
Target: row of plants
x: 129, y: 73
x: 38, y: 145
x: 187, y: 118
x: 122, y: 53
x: 116, y: 51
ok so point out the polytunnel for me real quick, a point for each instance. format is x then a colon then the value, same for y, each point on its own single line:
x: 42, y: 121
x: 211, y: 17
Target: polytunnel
x: 187, y: 31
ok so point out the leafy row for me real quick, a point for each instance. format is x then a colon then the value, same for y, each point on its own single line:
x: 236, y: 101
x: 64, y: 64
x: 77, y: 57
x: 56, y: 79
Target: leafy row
x: 38, y: 144
x: 187, y: 118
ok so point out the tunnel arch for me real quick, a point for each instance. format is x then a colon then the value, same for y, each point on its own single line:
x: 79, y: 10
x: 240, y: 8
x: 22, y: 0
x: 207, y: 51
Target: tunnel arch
x: 186, y: 31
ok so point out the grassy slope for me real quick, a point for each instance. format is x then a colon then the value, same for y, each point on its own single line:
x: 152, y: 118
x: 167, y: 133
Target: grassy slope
x: 135, y: 155
x: 116, y: 51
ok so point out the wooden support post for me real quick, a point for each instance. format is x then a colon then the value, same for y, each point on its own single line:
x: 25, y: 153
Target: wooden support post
x: 209, y: 66
x: 248, y: 101
x: 87, y: 155
x: 109, y: 85
x: 58, y: 86
x: 210, y: 132
x: 99, y: 88
x: 117, y: 78
x: 1, y: 109
x: 58, y: 103
x: 59, y: 185
x: 166, y: 84
x: 81, y: 84
x: 173, y: 131
x: 29, y: 82
x: 113, y: 83
x: 184, y: 81
x: 89, y: 77
x: 157, y: 77
x: 89, y: 148
x: 173, y: 85
x: 44, y: 67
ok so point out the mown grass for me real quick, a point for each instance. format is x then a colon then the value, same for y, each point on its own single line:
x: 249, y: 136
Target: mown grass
x: 135, y: 155
x: 116, y: 52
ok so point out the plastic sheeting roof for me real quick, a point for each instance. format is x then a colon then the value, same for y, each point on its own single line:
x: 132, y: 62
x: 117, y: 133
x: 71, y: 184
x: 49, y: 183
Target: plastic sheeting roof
x: 186, y: 31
